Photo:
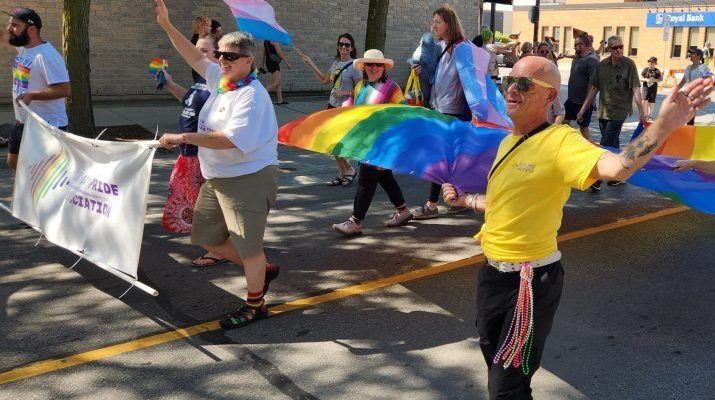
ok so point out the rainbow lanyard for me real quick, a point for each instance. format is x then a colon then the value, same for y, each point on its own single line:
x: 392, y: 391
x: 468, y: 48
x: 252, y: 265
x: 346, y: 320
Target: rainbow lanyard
x: 225, y: 85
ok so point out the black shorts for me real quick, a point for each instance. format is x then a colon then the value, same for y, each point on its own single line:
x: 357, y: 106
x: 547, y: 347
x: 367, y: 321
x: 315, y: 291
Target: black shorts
x: 273, y: 67
x: 650, y: 93
x: 572, y: 110
x: 16, y: 138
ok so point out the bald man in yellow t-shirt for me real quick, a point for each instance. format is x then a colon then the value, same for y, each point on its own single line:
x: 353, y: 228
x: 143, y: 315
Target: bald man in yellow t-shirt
x: 519, y: 288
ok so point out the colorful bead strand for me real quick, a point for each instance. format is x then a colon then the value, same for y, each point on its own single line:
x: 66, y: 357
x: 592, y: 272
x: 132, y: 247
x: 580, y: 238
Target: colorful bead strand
x: 517, y: 345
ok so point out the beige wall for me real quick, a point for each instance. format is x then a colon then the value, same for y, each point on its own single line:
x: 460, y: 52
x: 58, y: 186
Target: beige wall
x: 124, y: 37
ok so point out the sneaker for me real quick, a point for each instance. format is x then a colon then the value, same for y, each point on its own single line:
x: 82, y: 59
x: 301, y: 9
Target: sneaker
x: 272, y: 272
x: 456, y: 209
x: 348, y: 228
x: 596, y: 187
x: 243, y: 316
x: 424, y: 212
x: 399, y: 219
x: 615, y: 183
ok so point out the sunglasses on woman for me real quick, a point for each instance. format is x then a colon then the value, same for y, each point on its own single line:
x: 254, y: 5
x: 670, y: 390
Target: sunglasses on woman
x: 228, y: 55
x: 619, y: 47
x: 523, y: 83
x: 374, y: 65
x: 345, y: 44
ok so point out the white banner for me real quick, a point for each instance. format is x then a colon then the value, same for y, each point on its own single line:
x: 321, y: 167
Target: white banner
x: 88, y: 196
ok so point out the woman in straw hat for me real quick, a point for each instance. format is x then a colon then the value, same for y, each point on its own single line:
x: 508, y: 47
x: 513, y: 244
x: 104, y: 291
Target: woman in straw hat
x: 375, y: 88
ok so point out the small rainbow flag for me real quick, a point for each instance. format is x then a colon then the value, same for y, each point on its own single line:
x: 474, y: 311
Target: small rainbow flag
x: 157, y: 65
x: 405, y: 139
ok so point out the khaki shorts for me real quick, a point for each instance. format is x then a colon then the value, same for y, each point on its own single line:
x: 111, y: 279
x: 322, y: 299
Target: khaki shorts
x: 235, y: 208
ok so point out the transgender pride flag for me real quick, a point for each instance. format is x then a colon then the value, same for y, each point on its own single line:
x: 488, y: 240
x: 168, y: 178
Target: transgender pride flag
x: 258, y: 18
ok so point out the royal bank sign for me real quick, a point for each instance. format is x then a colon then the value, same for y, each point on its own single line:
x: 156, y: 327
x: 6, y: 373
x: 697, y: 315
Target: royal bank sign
x: 658, y: 20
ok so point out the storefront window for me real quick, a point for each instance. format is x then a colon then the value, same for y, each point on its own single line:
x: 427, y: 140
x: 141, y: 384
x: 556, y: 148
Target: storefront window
x: 557, y: 38
x: 675, y: 50
x: 568, y: 40
x: 621, y: 32
x: 633, y: 44
x: 693, y: 34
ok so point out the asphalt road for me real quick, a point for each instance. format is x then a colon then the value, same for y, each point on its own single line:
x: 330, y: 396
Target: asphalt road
x: 635, y: 322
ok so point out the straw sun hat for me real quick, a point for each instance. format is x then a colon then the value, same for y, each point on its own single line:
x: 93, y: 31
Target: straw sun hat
x: 373, y: 56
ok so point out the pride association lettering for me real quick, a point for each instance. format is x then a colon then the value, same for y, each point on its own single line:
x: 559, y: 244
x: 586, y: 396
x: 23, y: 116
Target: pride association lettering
x: 93, y: 195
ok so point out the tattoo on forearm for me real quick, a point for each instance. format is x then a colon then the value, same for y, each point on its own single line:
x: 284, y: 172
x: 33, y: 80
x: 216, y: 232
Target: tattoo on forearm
x: 641, y: 147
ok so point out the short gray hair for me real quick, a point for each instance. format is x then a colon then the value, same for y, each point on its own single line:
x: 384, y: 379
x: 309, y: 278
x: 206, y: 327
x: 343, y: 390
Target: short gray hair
x: 241, y: 40
x: 614, y: 38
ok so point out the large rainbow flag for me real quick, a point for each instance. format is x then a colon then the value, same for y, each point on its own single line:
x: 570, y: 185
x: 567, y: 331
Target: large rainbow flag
x: 258, y: 18
x: 405, y: 139
x: 692, y: 188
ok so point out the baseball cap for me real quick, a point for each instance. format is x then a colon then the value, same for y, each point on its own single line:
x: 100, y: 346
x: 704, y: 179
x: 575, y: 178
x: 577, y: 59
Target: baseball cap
x: 27, y: 16
x: 696, y: 51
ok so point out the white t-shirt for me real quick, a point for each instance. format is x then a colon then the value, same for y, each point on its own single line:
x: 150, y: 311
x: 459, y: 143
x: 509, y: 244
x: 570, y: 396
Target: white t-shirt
x: 247, y: 118
x: 33, y: 70
x: 447, y: 94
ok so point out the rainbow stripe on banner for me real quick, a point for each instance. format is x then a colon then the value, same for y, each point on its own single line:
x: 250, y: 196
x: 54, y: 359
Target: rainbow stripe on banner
x: 156, y: 65
x: 405, y: 139
x: 258, y: 18
x: 692, y: 188
x: 49, y: 174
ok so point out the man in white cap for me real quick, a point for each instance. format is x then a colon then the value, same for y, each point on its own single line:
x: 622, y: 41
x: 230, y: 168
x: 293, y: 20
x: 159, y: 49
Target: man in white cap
x: 40, y: 77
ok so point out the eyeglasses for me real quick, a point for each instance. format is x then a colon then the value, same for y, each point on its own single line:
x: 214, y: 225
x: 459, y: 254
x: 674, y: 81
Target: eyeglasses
x: 344, y: 44
x: 619, y: 47
x: 523, y: 83
x: 374, y: 65
x: 229, y: 55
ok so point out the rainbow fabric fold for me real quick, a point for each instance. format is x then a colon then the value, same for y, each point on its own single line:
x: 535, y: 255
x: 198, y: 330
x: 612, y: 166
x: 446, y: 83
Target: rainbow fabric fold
x: 484, y: 98
x: 405, y: 139
x: 258, y: 18
x: 692, y: 188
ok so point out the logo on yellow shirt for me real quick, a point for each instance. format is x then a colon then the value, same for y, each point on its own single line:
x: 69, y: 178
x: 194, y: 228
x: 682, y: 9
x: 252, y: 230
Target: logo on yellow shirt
x: 522, y: 166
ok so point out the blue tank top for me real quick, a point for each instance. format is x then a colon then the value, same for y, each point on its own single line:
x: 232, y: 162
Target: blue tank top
x: 193, y: 101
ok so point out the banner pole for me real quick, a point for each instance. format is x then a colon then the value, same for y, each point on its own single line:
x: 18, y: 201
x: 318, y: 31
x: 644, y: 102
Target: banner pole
x: 145, y: 288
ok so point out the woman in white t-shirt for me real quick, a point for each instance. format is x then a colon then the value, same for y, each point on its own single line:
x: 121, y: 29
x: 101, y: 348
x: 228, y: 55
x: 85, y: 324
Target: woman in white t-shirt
x: 237, y: 141
x: 343, y: 76
x: 694, y: 71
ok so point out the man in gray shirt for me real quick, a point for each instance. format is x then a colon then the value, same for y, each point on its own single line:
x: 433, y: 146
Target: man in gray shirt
x: 583, y: 66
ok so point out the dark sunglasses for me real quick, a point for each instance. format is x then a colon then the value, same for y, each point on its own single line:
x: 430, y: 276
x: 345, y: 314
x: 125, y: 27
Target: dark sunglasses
x: 523, y: 83
x: 228, y: 55
x: 374, y: 65
x: 619, y: 47
x: 346, y: 45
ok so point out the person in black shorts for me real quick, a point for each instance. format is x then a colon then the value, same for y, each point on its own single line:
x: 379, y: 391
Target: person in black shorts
x: 650, y: 76
x: 272, y: 58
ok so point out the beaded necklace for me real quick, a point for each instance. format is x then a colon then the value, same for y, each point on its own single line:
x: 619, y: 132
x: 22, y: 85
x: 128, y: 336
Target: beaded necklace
x: 225, y: 85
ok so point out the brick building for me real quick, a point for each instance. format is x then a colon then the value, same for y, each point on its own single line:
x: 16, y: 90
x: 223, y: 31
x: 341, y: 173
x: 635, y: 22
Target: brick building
x: 124, y: 36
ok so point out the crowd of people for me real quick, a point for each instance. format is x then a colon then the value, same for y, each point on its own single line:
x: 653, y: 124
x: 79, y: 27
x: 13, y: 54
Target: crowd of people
x: 227, y: 170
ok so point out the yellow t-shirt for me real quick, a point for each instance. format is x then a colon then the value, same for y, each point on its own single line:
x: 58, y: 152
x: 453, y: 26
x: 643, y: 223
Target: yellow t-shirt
x: 527, y: 193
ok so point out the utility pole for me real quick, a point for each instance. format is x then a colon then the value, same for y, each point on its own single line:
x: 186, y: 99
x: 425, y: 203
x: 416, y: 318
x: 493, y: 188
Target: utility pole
x: 536, y: 21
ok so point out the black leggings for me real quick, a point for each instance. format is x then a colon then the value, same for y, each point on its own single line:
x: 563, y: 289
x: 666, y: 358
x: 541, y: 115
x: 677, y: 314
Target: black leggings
x: 368, y: 178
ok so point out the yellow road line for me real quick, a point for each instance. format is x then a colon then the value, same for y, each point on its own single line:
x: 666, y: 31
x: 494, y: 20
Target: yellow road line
x: 47, y: 366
